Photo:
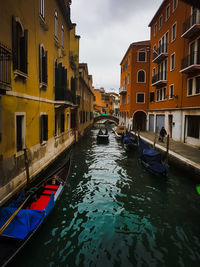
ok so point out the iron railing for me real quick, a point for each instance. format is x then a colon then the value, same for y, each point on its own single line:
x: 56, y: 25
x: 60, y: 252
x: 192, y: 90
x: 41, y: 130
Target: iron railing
x: 161, y: 50
x: 5, y: 66
x: 160, y: 76
x: 192, y: 20
x: 191, y: 59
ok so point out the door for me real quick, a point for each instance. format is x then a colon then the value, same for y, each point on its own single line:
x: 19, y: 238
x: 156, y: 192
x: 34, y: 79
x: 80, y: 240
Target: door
x: 151, y: 122
x: 160, y: 122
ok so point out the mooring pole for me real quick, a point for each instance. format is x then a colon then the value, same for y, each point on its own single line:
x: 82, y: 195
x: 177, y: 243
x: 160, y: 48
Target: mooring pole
x: 26, y: 166
x: 167, y: 151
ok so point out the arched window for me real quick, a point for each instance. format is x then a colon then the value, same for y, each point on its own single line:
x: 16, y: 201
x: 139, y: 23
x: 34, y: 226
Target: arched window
x: 141, y: 76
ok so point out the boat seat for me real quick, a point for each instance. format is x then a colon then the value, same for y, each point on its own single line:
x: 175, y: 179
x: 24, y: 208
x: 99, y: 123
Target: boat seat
x: 51, y: 186
x: 41, y: 203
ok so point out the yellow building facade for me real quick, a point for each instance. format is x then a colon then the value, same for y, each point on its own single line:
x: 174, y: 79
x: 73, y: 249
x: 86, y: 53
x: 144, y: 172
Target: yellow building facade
x: 38, y: 82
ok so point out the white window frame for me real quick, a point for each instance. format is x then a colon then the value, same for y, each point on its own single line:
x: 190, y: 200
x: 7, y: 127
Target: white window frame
x: 140, y: 93
x: 144, y: 76
x: 173, y: 38
x: 138, y: 52
x: 42, y: 9
x: 172, y: 56
x: 167, y: 16
x: 171, y: 86
x: 23, y: 131
x: 62, y: 36
x: 173, y: 9
x: 56, y: 24
x: 160, y: 20
x: 155, y: 29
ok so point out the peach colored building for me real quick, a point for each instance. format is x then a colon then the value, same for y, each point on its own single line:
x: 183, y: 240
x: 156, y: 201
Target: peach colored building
x: 134, y: 85
x: 174, y: 93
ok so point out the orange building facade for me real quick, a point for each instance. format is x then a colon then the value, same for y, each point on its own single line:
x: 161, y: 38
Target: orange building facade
x: 174, y: 94
x: 134, y: 84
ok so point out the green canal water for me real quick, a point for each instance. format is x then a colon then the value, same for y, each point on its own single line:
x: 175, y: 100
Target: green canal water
x: 114, y: 213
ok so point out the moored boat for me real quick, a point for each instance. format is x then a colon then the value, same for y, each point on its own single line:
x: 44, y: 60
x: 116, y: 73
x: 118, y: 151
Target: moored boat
x: 22, y: 218
x: 151, y: 159
x: 129, y: 141
x: 120, y: 131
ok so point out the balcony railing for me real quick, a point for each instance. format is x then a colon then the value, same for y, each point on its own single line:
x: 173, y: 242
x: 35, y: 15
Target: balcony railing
x: 160, y: 53
x: 159, y: 79
x: 63, y: 94
x: 5, y: 68
x: 192, y: 25
x: 190, y: 63
x: 122, y: 90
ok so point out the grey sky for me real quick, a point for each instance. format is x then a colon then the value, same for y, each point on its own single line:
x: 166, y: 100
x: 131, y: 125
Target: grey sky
x: 107, y: 28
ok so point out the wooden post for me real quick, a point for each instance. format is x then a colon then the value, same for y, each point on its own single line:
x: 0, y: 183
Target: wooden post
x: 154, y: 143
x: 26, y: 166
x: 167, y: 151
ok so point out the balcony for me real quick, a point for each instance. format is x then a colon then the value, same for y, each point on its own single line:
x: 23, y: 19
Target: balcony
x: 159, y: 79
x: 191, y: 26
x: 5, y: 68
x: 160, y: 54
x: 64, y: 95
x: 190, y: 63
x: 122, y: 90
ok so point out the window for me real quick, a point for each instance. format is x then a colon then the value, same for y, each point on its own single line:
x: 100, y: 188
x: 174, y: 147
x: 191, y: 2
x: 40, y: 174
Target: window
x: 175, y: 3
x: 128, y: 78
x: 42, y: 65
x: 19, y: 46
x: 141, y: 56
x: 153, y: 72
x: 127, y: 99
x: 62, y: 122
x: 164, y: 93
x: 152, y: 95
x: 128, y: 60
x: 197, y: 85
x: 157, y: 95
x: 56, y: 125
x: 140, y: 98
x: 43, y: 128
x: 160, y: 22
x: 155, y: 29
x: 42, y: 8
x: 62, y: 36
x: 173, y: 32
x: 167, y: 12
x: 161, y: 94
x: 171, y: 91
x: 190, y: 86
x: 56, y: 24
x: 20, y: 132
x: 172, y: 62
x: 193, y: 126
x: 141, y: 76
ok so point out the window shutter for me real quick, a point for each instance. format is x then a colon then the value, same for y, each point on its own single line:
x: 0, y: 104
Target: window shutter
x: 40, y: 63
x: 26, y: 51
x: 41, y: 128
x: 46, y: 68
x: 45, y: 127
x: 14, y: 43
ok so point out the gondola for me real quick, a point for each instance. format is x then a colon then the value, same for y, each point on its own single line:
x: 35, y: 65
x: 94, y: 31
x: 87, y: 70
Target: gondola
x: 22, y: 218
x: 101, y: 138
x: 129, y: 141
x: 151, y: 159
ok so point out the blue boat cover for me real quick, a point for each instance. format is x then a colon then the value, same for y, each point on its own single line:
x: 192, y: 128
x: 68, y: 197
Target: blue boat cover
x: 26, y: 220
x: 151, y: 157
x: 128, y: 139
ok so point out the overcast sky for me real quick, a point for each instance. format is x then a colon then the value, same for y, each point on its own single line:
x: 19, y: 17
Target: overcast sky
x: 107, y: 28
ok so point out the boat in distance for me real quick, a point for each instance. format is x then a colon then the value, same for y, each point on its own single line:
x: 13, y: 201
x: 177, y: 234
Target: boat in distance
x: 22, y: 218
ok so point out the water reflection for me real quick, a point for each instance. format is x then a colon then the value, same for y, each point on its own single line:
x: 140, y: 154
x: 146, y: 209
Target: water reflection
x: 114, y: 213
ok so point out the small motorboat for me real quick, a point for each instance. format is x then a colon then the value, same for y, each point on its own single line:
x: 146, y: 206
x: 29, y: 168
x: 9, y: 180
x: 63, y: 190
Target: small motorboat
x: 24, y: 215
x: 151, y: 159
x: 129, y: 141
x: 102, y: 137
x: 120, y: 131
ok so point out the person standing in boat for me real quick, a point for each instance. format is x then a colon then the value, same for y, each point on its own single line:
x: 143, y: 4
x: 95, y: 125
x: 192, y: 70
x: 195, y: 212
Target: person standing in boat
x: 162, y: 134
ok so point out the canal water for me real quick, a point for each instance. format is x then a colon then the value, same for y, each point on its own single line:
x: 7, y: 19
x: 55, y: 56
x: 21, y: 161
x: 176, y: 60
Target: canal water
x: 114, y: 213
